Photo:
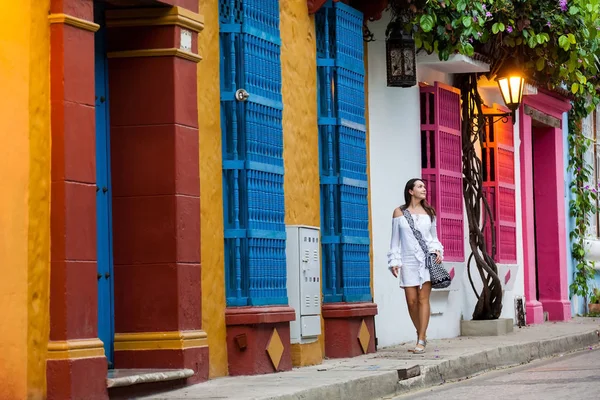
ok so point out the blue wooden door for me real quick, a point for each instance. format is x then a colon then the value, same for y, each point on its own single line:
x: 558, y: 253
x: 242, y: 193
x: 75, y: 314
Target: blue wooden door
x: 103, y: 193
x: 252, y: 137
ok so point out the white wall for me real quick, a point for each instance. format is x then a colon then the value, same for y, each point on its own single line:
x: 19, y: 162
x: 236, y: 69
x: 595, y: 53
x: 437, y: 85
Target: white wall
x: 395, y: 157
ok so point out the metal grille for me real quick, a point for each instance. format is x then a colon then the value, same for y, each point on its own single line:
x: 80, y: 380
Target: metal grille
x: 498, y: 158
x: 441, y: 162
x: 255, y: 263
x: 343, y: 154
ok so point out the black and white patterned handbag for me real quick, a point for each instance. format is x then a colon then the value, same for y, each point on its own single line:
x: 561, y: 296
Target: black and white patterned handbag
x: 440, y: 278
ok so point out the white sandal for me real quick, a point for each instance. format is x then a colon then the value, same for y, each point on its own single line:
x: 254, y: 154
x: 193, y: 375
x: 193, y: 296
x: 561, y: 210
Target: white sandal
x: 419, y: 350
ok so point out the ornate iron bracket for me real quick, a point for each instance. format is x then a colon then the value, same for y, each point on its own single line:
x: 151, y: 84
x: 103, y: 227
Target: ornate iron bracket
x: 491, y: 119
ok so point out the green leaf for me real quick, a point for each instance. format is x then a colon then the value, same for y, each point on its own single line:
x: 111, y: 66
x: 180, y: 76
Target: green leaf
x: 540, y: 64
x: 572, y: 39
x: 575, y: 88
x: 467, y: 21
x: 418, y: 42
x: 495, y: 28
x: 469, y: 50
x: 563, y: 42
x: 426, y: 22
x: 501, y: 27
x: 573, y: 10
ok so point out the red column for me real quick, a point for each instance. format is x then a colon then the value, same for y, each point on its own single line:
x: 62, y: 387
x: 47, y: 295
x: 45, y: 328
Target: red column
x: 156, y: 193
x: 76, y: 366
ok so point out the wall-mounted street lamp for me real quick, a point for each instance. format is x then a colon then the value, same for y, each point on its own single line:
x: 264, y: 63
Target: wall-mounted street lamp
x: 400, y: 54
x: 511, y: 83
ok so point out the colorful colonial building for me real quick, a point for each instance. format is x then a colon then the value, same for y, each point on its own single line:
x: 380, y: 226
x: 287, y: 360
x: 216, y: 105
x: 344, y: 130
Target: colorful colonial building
x: 176, y: 173
x: 206, y: 188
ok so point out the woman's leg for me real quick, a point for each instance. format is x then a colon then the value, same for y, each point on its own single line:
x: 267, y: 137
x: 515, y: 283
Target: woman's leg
x: 424, y: 309
x: 412, y: 300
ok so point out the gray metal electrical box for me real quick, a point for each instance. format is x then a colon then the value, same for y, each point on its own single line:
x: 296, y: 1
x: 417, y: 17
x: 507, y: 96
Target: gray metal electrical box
x: 304, y: 281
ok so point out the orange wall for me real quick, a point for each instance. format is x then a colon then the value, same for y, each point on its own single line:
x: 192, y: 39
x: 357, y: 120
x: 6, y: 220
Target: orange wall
x: 24, y: 200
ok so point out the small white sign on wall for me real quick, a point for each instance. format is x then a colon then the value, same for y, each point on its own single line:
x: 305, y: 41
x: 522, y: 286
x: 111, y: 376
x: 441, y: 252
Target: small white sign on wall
x: 186, y: 40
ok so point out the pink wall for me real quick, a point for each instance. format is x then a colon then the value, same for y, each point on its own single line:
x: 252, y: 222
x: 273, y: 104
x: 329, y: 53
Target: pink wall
x: 544, y: 214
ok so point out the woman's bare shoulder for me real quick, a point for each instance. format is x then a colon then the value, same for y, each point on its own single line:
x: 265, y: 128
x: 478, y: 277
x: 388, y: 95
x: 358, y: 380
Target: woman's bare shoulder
x: 397, y: 212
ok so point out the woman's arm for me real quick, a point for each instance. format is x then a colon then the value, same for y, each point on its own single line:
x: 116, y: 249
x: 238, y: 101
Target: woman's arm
x: 395, y: 253
x: 435, y: 245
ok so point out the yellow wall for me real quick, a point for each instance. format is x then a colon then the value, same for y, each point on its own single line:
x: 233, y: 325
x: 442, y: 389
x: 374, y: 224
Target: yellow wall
x: 211, y: 207
x: 24, y: 200
x: 300, y: 132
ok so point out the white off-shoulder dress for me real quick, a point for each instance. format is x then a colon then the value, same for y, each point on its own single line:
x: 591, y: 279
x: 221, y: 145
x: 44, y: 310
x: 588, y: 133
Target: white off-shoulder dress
x: 405, y: 251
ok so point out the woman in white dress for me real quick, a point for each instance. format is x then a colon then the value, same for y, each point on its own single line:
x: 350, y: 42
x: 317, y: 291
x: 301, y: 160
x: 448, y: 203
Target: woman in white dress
x: 406, y: 258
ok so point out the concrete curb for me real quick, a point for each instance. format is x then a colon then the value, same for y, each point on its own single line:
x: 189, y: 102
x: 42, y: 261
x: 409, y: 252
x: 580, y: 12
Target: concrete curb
x: 387, y: 384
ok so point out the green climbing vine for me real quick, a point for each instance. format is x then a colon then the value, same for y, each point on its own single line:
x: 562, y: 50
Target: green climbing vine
x: 583, y: 200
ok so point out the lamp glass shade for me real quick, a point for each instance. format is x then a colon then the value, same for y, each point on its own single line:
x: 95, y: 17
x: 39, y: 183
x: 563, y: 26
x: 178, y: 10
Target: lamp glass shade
x: 511, y: 88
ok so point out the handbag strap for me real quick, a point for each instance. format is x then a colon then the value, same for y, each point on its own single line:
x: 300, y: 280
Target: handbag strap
x: 415, y: 231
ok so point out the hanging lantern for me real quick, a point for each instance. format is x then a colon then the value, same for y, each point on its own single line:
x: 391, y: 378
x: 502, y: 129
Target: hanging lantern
x: 511, y: 84
x: 400, y: 56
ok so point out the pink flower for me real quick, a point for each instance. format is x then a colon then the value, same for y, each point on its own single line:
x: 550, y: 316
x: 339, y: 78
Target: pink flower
x: 509, y: 29
x: 563, y: 5
x: 549, y: 24
x: 488, y: 14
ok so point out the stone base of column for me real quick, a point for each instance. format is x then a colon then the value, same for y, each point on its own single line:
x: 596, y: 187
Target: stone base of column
x: 349, y: 329
x: 558, y: 310
x: 76, y: 369
x: 535, y: 312
x: 164, y: 350
x: 258, y: 339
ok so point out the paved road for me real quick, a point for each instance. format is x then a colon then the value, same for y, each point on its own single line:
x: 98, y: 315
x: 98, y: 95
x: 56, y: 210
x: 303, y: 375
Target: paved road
x: 574, y: 377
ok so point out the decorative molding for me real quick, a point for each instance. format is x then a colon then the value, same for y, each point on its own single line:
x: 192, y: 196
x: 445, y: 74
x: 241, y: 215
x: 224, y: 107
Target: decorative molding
x: 259, y: 315
x: 175, y: 340
x: 542, y: 117
x: 73, y: 21
x: 172, y: 52
x: 155, y: 17
x: 76, y: 348
x: 349, y: 310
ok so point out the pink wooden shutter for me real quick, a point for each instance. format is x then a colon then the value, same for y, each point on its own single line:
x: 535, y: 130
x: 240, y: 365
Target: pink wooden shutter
x: 441, y: 162
x: 498, y: 157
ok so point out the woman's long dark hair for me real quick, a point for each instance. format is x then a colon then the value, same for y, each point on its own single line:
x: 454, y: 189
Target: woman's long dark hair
x: 410, y: 185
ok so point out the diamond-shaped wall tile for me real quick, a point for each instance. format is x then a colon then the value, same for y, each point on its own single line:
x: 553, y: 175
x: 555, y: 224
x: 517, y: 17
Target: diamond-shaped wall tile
x: 364, y: 337
x: 275, y: 349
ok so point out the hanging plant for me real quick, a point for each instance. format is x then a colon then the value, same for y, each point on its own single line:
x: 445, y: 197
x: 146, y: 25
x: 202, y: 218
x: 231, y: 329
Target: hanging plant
x: 582, y: 206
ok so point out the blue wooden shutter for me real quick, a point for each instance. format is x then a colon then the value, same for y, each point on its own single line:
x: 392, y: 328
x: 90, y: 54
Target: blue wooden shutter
x: 343, y: 154
x: 255, y: 264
